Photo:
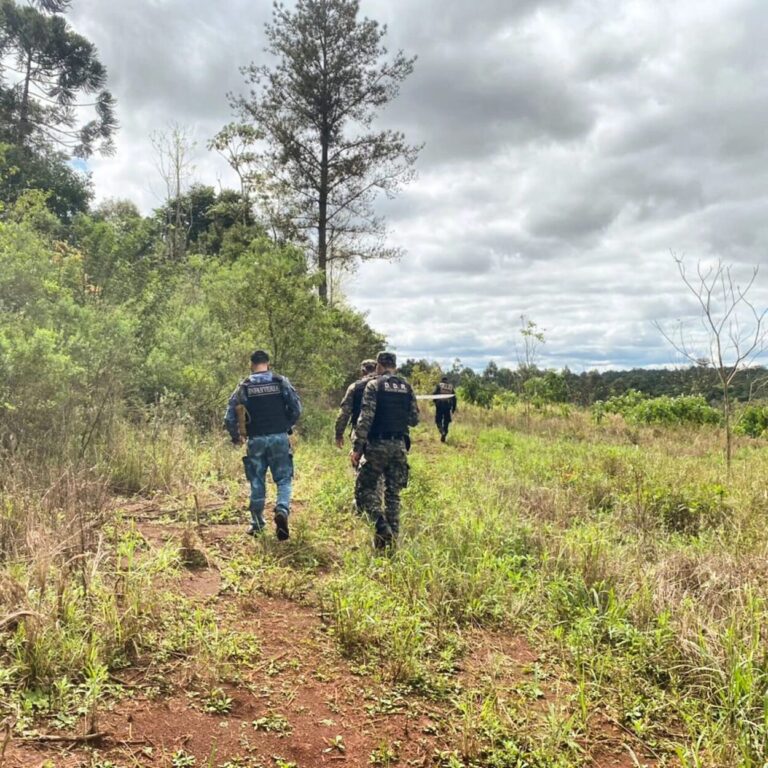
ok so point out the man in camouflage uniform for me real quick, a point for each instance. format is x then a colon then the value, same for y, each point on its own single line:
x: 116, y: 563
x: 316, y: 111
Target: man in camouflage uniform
x: 388, y: 409
x: 262, y: 412
x: 445, y: 407
x: 349, y: 410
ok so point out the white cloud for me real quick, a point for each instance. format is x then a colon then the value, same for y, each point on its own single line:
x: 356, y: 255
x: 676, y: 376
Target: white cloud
x: 571, y: 146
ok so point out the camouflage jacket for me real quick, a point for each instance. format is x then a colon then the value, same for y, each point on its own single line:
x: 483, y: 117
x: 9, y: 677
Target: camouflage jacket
x: 347, y: 406
x: 368, y: 412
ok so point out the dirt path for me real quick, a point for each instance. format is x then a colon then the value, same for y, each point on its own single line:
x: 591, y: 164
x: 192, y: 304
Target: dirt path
x: 301, y: 703
x: 298, y: 702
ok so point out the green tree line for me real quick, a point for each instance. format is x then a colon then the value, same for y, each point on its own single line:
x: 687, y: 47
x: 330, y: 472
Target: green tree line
x: 107, y: 314
x: 96, y: 323
x: 589, y: 387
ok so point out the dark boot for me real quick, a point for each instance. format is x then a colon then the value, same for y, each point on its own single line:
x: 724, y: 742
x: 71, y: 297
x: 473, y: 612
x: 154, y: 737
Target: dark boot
x: 383, y: 538
x: 281, y: 522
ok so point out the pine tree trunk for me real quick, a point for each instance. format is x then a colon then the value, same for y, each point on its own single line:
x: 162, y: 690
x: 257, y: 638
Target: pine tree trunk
x: 24, y: 109
x: 322, y: 222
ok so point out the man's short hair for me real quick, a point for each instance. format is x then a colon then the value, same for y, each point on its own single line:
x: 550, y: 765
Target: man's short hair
x: 368, y: 366
x: 443, y: 378
x: 259, y: 356
x: 387, y: 359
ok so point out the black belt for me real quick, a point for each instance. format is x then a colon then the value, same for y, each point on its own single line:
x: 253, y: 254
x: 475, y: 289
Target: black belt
x: 388, y: 436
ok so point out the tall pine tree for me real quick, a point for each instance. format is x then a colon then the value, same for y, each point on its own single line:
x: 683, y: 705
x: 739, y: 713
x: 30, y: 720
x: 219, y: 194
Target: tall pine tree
x: 307, y: 131
x: 50, y: 76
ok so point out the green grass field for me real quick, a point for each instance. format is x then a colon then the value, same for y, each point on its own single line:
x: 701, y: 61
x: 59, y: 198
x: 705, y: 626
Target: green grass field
x: 618, y: 569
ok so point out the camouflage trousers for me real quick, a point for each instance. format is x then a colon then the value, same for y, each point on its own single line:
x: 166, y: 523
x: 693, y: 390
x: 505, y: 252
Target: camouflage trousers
x: 359, y: 511
x: 385, y: 459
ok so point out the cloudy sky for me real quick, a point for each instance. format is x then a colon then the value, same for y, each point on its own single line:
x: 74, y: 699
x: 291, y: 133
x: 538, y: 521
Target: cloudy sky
x: 570, y: 147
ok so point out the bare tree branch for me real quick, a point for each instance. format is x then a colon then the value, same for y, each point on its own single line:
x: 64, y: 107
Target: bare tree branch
x: 734, y: 330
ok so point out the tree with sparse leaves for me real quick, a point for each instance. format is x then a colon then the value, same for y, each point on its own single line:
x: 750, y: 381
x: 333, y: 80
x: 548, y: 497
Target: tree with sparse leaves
x: 307, y: 134
x: 734, y: 330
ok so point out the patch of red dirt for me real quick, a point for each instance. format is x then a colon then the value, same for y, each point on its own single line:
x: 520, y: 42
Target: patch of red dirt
x: 333, y: 716
x: 300, y: 700
x: 200, y: 584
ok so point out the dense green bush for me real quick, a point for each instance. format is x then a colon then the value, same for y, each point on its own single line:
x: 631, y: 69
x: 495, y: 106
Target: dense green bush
x: 544, y: 389
x: 621, y: 404
x: 477, y: 391
x: 685, y: 409
x: 63, y: 352
x: 97, y: 324
x: 753, y: 421
x: 640, y: 409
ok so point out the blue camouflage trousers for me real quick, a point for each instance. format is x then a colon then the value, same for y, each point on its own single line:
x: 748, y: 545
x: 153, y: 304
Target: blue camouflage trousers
x: 271, y: 452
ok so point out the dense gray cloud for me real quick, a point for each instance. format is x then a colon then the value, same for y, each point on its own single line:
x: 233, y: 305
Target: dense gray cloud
x: 571, y: 147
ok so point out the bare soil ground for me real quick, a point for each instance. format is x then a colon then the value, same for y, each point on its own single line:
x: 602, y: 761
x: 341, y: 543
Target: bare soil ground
x: 302, y: 704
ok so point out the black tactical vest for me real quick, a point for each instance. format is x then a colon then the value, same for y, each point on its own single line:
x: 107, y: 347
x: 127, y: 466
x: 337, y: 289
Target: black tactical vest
x: 357, y: 398
x: 444, y: 388
x: 393, y: 407
x: 266, y: 407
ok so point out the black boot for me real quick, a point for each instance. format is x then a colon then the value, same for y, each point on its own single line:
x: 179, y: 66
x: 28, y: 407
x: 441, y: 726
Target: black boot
x: 383, y: 539
x: 281, y: 522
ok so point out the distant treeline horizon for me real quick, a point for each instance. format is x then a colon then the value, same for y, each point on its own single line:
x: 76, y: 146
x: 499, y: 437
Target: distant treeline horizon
x: 589, y: 387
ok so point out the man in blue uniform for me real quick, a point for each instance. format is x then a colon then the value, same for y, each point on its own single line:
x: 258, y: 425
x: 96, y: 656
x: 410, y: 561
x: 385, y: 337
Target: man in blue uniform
x: 262, y: 412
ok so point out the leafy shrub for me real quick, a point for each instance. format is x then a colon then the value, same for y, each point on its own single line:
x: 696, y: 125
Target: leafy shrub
x: 97, y: 322
x: 544, y: 389
x: 478, y: 392
x: 505, y: 399
x: 686, y: 409
x: 640, y: 409
x: 622, y: 404
x: 753, y: 421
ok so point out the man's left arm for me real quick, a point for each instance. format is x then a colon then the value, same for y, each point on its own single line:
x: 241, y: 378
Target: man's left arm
x: 413, y: 416
x: 292, y: 402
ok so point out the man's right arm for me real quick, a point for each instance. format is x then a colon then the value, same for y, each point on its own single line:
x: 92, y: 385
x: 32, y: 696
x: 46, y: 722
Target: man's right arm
x: 367, y: 414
